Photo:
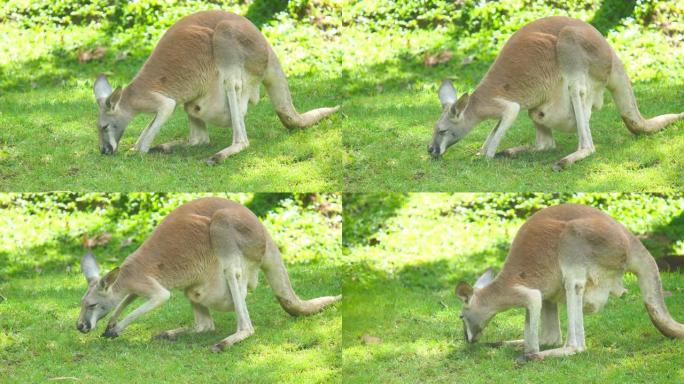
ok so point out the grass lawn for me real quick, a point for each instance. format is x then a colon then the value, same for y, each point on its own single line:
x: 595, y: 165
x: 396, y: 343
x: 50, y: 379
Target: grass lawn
x: 391, y: 121
x: 387, y: 134
x: 49, y: 141
x: 409, y: 252
x: 376, y: 143
x: 42, y: 286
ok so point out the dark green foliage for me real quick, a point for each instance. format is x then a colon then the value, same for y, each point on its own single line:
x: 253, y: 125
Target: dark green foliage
x: 366, y: 213
x: 611, y: 13
x: 56, y: 12
x: 261, y: 12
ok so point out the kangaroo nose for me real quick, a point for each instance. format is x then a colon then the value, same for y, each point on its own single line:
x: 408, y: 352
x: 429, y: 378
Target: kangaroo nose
x: 433, y: 151
x: 106, y: 149
x: 82, y: 327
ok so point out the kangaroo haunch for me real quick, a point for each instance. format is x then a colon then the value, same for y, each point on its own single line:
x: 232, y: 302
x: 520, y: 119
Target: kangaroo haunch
x: 557, y: 69
x: 567, y: 253
x: 213, y: 63
x: 212, y: 248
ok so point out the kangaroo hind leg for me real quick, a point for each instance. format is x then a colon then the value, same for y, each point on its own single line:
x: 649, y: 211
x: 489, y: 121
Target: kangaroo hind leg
x: 544, y: 142
x: 203, y: 323
x: 241, y: 55
x: 198, y: 135
x: 224, y: 240
x: 574, y: 252
x: 233, y: 86
x: 585, y: 71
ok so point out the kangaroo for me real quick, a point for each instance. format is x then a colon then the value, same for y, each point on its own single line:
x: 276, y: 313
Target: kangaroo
x: 566, y: 253
x: 212, y: 248
x: 213, y: 63
x: 557, y: 69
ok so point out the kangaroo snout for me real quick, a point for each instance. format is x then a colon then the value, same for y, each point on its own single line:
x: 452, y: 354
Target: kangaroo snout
x: 83, y: 327
x: 107, y: 149
x: 434, y: 151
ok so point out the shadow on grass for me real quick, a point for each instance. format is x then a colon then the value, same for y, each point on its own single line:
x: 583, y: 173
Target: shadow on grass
x: 366, y: 214
x: 662, y: 238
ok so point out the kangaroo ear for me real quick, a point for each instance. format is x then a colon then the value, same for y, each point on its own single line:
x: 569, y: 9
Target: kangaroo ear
x: 113, y: 99
x: 459, y: 106
x: 485, y: 279
x: 464, y: 291
x: 109, y: 278
x: 447, y: 93
x: 102, y: 90
x: 89, y: 267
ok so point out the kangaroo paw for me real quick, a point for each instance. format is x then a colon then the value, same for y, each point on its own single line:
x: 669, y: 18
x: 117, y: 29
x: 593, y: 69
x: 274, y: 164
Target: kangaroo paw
x: 110, y: 333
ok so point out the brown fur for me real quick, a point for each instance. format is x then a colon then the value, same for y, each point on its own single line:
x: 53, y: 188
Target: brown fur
x: 212, y: 248
x: 556, y: 68
x: 213, y: 63
x: 563, y: 250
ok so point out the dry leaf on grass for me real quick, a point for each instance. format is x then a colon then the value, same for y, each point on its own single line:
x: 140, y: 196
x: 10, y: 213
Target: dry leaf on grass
x: 430, y: 60
x: 101, y: 239
x: 91, y: 54
x: 126, y: 242
x: 121, y: 56
x: 467, y: 60
x: 370, y: 339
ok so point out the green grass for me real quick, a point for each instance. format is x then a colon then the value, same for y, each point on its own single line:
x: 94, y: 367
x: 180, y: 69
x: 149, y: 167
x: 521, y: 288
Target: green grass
x: 376, y: 143
x: 393, y: 156
x: 49, y: 138
x: 43, y: 286
x: 50, y: 143
x: 409, y: 251
x: 391, y: 121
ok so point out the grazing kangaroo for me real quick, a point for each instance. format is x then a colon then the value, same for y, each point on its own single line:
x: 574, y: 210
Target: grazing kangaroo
x: 567, y: 253
x: 213, y: 63
x: 212, y: 248
x: 557, y: 69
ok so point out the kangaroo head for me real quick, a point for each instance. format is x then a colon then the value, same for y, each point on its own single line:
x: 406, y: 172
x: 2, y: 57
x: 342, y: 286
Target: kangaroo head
x: 99, y: 299
x: 452, y: 125
x: 475, y: 313
x: 113, y: 117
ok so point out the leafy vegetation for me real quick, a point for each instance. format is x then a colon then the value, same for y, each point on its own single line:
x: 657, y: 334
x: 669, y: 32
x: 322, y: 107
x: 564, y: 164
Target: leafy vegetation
x: 406, y: 253
x: 41, y: 284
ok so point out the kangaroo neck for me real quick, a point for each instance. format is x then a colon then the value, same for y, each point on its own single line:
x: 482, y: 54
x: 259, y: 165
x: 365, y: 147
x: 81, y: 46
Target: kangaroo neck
x: 494, y: 298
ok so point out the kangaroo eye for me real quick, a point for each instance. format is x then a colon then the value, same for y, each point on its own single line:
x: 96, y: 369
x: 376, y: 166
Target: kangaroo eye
x: 92, y: 306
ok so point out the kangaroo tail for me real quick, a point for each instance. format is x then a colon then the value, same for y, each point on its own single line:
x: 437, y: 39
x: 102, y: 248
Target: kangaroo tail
x: 279, y: 92
x: 277, y: 277
x: 621, y: 89
x: 640, y: 262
